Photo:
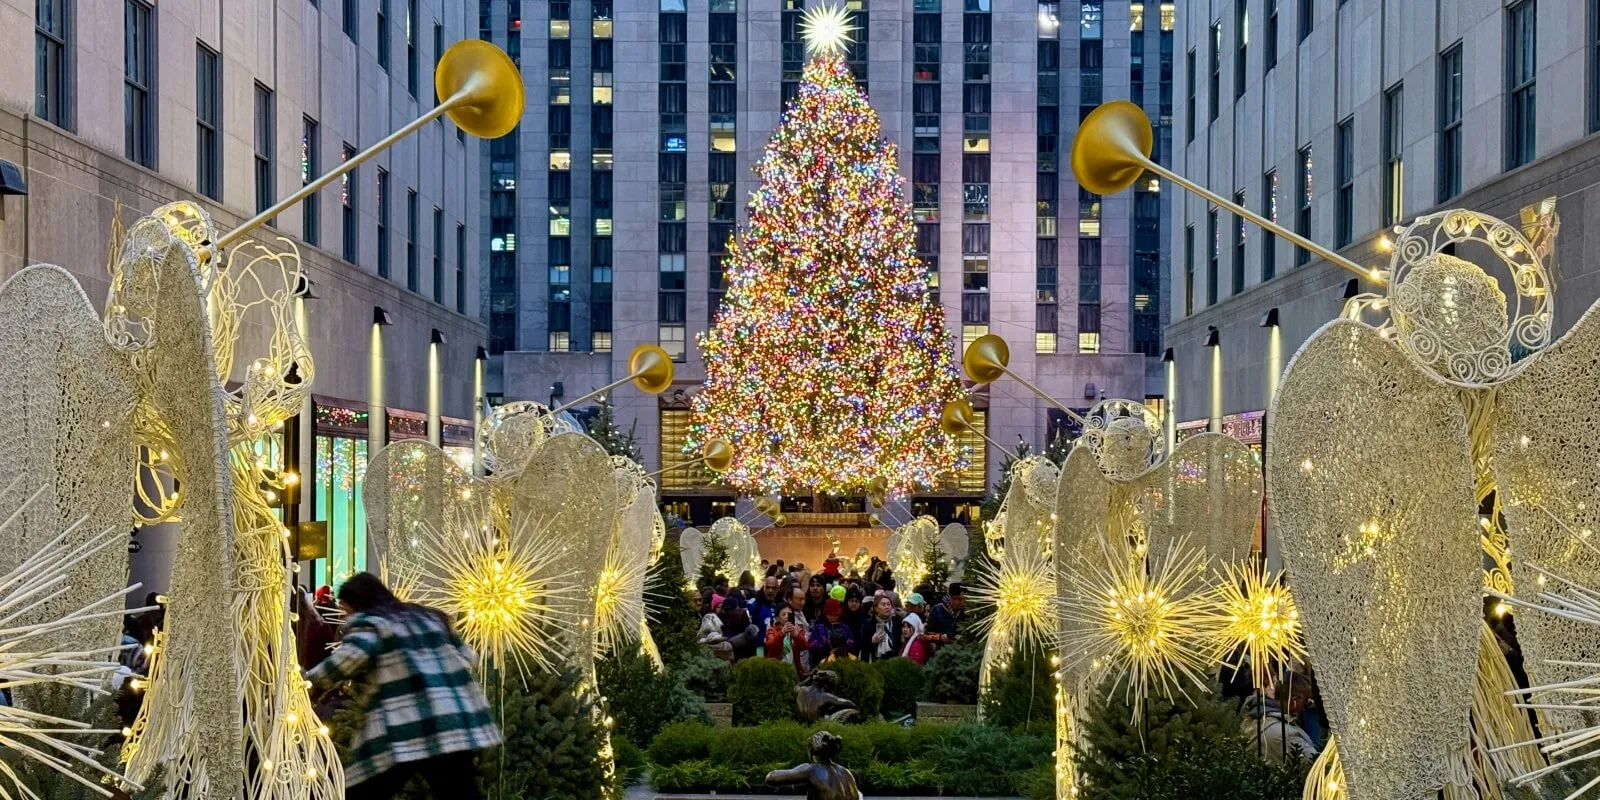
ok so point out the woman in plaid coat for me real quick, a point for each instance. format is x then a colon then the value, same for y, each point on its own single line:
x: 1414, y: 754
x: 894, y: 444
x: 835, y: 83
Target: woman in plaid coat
x: 427, y: 715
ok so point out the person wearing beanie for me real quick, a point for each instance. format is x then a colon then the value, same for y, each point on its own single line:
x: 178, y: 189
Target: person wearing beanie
x: 823, y: 631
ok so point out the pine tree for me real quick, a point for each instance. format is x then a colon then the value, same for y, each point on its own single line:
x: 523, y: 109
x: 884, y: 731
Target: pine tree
x: 828, y: 363
x: 602, y: 427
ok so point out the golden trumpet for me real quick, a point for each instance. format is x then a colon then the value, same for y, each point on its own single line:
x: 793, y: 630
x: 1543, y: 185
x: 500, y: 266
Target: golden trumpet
x: 1112, y: 149
x: 649, y: 368
x: 482, y: 91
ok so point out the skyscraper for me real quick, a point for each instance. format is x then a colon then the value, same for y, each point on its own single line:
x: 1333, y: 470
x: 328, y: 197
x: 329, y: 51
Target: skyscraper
x: 611, y: 206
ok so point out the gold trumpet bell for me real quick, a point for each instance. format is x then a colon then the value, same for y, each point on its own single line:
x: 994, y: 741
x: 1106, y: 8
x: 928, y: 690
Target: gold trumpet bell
x: 651, y: 368
x: 956, y: 418
x: 718, y: 454
x: 986, y: 359
x: 1112, y: 148
x: 482, y: 86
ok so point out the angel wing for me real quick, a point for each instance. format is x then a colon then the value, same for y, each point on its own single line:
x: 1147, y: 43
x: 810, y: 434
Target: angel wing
x: 568, y: 487
x: 1208, y: 493
x: 65, y: 423
x: 1545, y: 423
x: 413, y: 487
x: 1370, y: 480
x: 191, y: 721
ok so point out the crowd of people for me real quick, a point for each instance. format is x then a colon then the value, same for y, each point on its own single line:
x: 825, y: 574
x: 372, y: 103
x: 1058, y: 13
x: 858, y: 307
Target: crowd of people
x: 812, y: 619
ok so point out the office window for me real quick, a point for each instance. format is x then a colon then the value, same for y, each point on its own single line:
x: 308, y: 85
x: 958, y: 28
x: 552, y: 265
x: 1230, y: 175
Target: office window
x: 1088, y: 328
x: 411, y: 47
x: 1269, y: 42
x: 1308, y: 10
x: 1215, y: 97
x: 1188, y: 271
x: 412, y: 278
x: 1394, y: 169
x: 51, y: 31
x: 1521, y: 52
x: 461, y: 268
x: 1303, y: 222
x: 138, y: 51
x: 310, y: 169
x: 348, y: 233
x: 1241, y: 43
x: 208, y: 121
x: 383, y: 35
x: 1450, y: 123
x: 350, y: 20
x: 1213, y: 254
x: 1269, y: 242
x: 1344, y: 215
x: 1238, y: 244
x: 266, y: 125
x: 383, y: 222
x: 1188, y: 111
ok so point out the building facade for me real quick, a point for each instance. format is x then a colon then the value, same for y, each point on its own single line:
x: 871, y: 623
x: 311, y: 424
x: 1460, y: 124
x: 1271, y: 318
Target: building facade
x: 131, y: 104
x: 1341, y: 118
x: 610, y: 213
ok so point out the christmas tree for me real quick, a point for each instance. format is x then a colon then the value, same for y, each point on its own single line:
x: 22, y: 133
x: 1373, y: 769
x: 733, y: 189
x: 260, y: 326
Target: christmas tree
x: 828, y: 363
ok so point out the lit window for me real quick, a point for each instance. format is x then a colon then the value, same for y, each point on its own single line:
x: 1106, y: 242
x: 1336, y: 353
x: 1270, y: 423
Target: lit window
x: 1044, y: 342
x: 671, y: 340
x: 970, y: 334
x: 1089, y: 342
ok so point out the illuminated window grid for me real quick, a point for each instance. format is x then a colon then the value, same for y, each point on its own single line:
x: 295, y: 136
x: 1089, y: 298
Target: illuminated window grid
x: 674, y: 432
x: 974, y: 477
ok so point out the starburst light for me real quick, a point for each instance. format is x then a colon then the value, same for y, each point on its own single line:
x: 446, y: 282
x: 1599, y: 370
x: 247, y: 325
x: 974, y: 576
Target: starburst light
x: 827, y: 29
x: 1259, y: 621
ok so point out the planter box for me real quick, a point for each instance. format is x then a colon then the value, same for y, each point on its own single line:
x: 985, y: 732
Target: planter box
x: 945, y: 712
x: 721, y: 714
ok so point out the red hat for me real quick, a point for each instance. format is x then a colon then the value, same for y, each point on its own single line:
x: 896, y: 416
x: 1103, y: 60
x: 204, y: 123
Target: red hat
x: 832, y: 606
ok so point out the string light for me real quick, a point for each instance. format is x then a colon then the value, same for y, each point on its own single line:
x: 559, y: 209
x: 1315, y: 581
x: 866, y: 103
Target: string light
x: 828, y: 363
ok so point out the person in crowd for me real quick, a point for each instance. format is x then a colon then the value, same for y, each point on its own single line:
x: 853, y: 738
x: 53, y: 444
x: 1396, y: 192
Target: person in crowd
x: 915, y: 604
x: 816, y: 595
x: 766, y: 603
x: 854, y: 612
x: 1264, y: 716
x: 133, y: 655
x: 797, y: 605
x: 786, y: 641
x: 710, y: 633
x: 428, y: 715
x: 839, y: 646
x: 313, y: 636
x: 911, y: 633
x: 742, y: 634
x: 822, y: 630
x: 944, y: 626
x: 878, y: 636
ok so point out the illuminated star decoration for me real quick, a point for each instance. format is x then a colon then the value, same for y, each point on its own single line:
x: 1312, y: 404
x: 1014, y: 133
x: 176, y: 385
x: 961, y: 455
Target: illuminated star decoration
x: 1152, y: 628
x: 1258, y: 620
x: 828, y: 363
x: 827, y: 29
x: 505, y: 593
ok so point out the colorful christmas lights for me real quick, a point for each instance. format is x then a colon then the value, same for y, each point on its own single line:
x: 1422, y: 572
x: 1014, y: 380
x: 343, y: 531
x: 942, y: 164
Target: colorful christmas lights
x: 828, y: 363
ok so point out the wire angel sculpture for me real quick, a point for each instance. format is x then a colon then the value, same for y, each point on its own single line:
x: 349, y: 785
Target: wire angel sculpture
x: 1388, y: 441
x: 225, y: 707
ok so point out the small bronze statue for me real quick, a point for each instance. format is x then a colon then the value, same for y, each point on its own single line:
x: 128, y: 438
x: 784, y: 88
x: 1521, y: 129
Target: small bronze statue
x: 814, y: 698
x: 826, y: 780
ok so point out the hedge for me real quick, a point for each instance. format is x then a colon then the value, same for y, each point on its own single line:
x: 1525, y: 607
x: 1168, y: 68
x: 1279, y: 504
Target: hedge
x: 888, y: 759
